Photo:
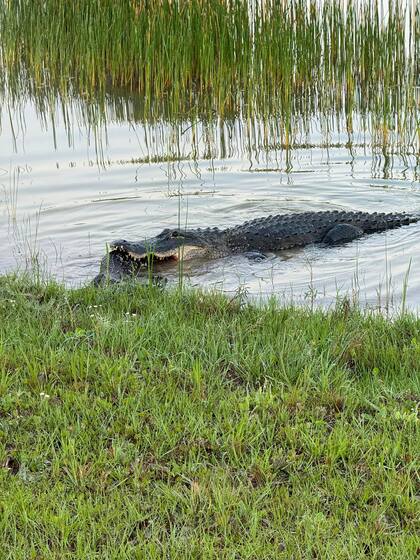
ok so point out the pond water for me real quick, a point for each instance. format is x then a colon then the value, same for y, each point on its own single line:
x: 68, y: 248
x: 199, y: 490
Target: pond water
x: 67, y: 191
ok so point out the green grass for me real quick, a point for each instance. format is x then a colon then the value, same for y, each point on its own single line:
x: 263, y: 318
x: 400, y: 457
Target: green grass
x: 140, y: 423
x: 283, y: 62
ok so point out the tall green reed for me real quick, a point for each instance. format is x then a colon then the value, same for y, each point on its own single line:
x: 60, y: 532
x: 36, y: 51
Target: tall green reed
x: 275, y: 61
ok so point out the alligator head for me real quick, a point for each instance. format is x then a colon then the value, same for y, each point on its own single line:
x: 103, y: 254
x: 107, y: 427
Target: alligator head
x: 134, y: 258
x: 169, y: 245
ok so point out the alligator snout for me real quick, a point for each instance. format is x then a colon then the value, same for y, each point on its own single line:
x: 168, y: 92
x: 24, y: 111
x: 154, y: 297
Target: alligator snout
x: 117, y: 243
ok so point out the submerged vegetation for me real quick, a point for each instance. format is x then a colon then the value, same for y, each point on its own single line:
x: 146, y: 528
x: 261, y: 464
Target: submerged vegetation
x: 140, y: 423
x: 273, y: 65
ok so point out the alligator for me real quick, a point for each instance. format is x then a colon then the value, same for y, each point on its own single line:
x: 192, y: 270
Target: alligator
x: 253, y: 238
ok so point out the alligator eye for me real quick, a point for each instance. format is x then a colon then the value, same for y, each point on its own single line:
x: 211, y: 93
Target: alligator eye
x: 176, y: 233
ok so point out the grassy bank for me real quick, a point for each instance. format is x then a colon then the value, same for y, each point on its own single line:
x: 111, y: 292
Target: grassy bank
x: 136, y: 423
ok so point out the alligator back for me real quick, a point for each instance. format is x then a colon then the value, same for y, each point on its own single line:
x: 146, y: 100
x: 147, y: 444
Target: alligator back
x: 275, y: 233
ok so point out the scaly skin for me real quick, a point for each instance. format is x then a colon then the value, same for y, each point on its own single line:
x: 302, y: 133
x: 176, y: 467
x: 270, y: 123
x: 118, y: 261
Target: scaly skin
x: 267, y: 234
x: 276, y: 233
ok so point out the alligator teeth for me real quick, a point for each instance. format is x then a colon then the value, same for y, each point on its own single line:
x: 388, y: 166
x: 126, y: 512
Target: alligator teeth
x: 143, y: 259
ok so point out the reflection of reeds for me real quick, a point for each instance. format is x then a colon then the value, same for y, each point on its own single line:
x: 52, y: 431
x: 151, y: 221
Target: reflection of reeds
x: 201, y: 59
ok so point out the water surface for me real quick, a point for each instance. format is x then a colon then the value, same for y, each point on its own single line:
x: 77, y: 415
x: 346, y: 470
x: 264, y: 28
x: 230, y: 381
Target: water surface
x: 67, y: 191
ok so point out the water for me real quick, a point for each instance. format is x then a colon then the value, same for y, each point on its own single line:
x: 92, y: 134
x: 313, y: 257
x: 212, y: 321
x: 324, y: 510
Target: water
x: 65, y: 195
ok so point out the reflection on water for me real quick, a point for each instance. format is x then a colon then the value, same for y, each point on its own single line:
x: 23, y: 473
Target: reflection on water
x: 63, y: 198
